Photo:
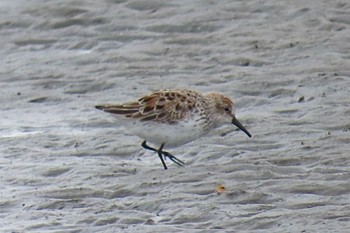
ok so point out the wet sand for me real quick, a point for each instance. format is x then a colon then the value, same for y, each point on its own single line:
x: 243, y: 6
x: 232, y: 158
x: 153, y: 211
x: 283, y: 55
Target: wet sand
x: 67, y: 167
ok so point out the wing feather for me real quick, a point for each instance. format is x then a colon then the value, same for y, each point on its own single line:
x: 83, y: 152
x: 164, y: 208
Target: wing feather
x: 161, y: 106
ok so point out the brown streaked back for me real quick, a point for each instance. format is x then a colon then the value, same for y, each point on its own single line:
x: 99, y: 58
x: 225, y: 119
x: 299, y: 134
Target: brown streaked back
x: 159, y: 106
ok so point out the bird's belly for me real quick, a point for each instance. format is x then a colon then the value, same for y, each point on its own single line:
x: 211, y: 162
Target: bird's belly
x: 171, y: 135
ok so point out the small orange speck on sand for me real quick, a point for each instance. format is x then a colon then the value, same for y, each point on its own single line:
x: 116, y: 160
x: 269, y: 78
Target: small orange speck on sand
x: 220, y: 189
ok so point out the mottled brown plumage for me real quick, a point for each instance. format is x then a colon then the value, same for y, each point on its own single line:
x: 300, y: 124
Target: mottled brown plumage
x: 174, y: 117
x: 167, y: 106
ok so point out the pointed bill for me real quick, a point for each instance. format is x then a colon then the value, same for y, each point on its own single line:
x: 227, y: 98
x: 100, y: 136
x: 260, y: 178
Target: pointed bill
x: 240, y: 126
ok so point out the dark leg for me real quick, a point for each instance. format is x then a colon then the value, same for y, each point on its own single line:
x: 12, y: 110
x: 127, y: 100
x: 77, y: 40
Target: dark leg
x: 160, y: 151
x: 173, y: 158
x: 144, y: 145
x: 165, y: 153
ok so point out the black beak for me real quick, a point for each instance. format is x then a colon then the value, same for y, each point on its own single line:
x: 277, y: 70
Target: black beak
x: 240, y: 126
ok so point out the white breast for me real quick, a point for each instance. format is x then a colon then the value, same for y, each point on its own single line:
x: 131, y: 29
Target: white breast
x: 171, y: 134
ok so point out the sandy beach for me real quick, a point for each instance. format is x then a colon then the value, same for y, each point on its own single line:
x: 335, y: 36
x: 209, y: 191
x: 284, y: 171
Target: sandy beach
x: 67, y: 167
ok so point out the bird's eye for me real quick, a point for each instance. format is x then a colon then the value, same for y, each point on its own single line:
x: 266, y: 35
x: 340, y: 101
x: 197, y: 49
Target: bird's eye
x: 227, y: 109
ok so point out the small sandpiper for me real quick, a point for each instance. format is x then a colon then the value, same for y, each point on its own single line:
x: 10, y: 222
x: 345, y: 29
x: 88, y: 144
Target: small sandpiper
x: 170, y: 118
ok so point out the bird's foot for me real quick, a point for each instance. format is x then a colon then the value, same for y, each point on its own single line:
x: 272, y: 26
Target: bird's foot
x: 173, y: 158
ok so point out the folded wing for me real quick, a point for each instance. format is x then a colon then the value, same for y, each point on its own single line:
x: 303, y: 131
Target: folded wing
x: 162, y: 106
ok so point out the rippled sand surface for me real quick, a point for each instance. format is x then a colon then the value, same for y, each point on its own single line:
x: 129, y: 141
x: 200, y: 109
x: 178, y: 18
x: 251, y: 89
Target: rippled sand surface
x: 67, y: 167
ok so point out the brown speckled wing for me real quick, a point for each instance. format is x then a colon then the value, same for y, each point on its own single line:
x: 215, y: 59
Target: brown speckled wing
x: 161, y: 106
x: 120, y: 109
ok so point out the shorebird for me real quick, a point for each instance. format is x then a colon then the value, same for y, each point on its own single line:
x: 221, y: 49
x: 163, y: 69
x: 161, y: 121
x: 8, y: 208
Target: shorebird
x: 172, y: 118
